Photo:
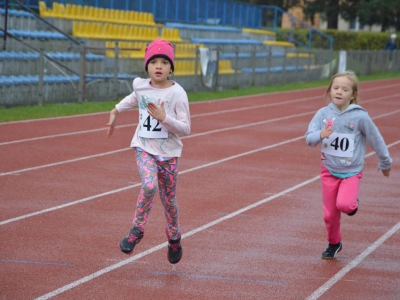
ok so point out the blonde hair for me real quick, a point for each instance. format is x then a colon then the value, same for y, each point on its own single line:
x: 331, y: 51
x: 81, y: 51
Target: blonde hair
x: 354, y: 80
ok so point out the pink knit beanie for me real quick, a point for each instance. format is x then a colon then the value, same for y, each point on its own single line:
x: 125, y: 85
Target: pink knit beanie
x: 159, y: 48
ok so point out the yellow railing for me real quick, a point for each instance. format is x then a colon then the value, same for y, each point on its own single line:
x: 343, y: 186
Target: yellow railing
x: 258, y: 31
x: 279, y: 43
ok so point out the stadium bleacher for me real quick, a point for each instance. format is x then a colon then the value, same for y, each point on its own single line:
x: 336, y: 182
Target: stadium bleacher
x: 241, y: 51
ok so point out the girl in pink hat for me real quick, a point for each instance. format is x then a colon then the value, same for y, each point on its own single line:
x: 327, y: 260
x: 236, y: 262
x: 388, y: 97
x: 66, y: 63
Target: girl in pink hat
x: 163, y: 111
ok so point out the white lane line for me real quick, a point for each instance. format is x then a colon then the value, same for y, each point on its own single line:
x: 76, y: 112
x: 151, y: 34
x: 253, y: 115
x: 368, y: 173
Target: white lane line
x: 192, y: 117
x: 202, y: 228
x: 61, y: 135
x: 53, y: 118
x: 163, y: 245
x: 138, y: 184
x: 62, y: 162
x: 334, y: 279
x: 126, y: 149
x: 186, y: 137
x: 320, y: 291
x: 205, y: 101
x: 67, y: 204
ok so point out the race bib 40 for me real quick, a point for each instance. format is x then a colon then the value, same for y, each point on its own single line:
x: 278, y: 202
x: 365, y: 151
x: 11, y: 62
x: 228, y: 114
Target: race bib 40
x: 339, y: 144
x: 150, y: 127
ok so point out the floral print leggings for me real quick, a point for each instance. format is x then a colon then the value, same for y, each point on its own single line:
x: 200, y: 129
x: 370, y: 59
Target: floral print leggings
x: 165, y: 175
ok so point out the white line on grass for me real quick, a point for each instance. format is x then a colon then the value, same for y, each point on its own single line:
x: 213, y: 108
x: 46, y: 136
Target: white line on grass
x: 332, y: 281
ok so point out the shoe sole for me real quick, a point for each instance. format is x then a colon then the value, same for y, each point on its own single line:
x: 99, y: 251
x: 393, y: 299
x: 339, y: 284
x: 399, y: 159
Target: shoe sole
x: 166, y: 233
x: 175, y: 261
x: 129, y: 253
x: 354, y: 211
x: 330, y: 258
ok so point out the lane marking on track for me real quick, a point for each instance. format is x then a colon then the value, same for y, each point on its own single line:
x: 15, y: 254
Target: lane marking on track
x: 61, y: 135
x: 16, y: 172
x: 214, y: 100
x: 138, y: 184
x: 163, y: 245
x: 192, y: 117
x: 327, y: 285
x: 185, y: 137
x: 217, y: 278
x: 35, y: 262
x: 194, y: 231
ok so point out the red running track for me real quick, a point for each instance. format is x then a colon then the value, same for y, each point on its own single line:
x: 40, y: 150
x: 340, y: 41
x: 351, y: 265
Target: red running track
x: 249, y: 198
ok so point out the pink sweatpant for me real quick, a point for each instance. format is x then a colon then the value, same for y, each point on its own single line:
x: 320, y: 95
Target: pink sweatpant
x: 338, y: 195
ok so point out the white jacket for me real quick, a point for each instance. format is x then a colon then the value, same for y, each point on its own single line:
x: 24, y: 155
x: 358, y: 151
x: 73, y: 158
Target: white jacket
x: 177, y: 121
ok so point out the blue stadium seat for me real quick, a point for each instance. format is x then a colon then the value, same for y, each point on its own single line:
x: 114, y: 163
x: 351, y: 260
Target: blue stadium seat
x: 273, y: 69
x: 226, y: 42
x: 17, y: 13
x: 202, y: 27
x: 248, y: 55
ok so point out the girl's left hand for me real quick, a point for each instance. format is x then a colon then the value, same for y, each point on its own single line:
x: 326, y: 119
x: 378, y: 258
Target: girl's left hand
x: 156, y: 112
x: 385, y: 172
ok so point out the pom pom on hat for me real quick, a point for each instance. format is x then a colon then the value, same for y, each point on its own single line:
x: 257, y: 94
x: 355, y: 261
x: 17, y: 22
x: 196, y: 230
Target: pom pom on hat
x: 393, y: 36
x: 159, y: 48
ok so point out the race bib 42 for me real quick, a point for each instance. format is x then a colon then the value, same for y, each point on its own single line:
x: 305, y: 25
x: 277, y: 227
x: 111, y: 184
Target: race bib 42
x: 150, y: 127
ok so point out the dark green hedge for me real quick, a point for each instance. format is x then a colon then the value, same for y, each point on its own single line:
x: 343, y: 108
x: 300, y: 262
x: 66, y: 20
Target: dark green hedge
x: 344, y: 40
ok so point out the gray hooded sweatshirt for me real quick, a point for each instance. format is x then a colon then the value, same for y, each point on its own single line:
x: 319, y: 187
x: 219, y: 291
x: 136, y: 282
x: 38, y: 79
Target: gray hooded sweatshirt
x: 353, y: 122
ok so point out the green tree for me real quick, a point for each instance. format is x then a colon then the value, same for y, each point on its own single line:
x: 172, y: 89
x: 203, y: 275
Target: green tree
x: 329, y: 9
x: 284, y: 4
x: 385, y: 13
x: 380, y: 12
x: 369, y: 12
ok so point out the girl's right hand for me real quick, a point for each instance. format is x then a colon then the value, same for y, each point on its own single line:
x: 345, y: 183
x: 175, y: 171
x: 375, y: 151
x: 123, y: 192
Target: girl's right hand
x: 112, y: 121
x: 385, y: 173
x: 325, y: 132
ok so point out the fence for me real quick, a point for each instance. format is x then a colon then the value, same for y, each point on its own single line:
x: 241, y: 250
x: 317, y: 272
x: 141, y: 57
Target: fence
x: 42, y: 66
x: 95, y: 76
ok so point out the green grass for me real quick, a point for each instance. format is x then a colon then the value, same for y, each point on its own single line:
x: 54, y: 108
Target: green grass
x: 58, y: 110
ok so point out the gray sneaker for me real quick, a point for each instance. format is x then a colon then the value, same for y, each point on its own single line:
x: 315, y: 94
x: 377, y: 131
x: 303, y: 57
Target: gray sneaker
x: 174, y: 249
x: 129, y: 242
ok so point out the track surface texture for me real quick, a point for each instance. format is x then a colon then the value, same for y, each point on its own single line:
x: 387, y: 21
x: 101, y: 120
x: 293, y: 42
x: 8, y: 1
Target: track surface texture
x: 250, y: 207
